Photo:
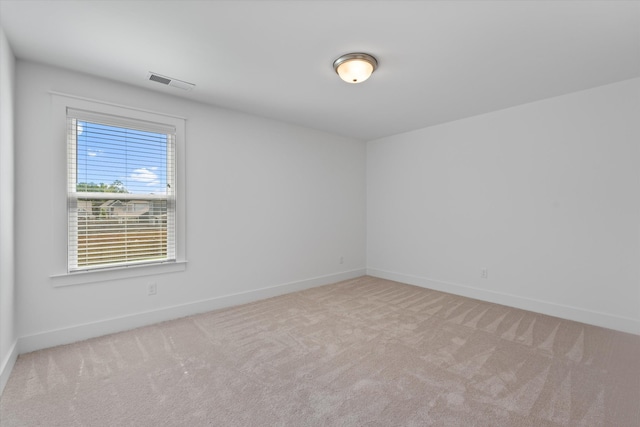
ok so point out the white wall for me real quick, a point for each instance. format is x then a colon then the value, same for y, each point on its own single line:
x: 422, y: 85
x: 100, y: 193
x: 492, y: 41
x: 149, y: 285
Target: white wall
x: 268, y: 205
x: 546, y: 196
x: 8, y: 352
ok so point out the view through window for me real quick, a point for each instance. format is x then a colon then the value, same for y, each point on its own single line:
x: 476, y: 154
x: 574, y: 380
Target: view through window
x: 121, y: 192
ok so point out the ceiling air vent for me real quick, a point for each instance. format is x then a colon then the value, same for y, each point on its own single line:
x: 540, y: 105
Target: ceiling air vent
x: 169, y: 81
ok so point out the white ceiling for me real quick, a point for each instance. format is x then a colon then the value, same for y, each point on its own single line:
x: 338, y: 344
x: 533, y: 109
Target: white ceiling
x: 439, y: 60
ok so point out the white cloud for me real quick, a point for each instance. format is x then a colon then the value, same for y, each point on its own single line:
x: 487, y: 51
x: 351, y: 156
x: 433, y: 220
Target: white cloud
x: 145, y: 176
x: 148, y: 182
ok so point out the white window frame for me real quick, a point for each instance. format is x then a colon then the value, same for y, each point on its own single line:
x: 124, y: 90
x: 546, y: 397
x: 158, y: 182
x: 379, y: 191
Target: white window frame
x: 61, y: 274
x: 73, y: 117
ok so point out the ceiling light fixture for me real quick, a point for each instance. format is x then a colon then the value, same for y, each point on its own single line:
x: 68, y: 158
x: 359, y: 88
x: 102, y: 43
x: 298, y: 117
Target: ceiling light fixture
x: 355, y: 67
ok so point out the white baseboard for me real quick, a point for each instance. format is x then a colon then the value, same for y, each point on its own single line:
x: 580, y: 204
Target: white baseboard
x: 7, y: 365
x: 95, y: 329
x: 577, y: 314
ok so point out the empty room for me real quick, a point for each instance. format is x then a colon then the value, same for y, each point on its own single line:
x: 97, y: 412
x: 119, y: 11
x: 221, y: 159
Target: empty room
x: 319, y: 213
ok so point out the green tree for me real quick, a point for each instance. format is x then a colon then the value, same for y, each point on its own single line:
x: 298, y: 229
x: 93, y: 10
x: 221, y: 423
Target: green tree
x: 91, y: 187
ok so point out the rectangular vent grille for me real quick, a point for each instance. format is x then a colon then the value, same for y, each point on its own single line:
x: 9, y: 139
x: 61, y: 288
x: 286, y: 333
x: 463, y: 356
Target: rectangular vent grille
x: 157, y: 78
x: 169, y: 81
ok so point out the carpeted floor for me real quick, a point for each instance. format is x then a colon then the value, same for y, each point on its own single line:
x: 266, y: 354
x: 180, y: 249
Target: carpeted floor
x: 364, y: 352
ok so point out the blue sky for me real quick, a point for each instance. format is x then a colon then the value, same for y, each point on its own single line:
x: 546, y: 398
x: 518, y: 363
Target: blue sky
x: 108, y: 153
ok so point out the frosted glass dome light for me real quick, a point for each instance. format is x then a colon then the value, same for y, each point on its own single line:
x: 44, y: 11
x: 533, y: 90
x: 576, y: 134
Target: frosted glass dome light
x: 355, y: 67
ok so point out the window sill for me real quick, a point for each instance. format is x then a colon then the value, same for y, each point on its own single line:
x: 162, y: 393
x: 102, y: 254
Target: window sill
x: 83, y: 277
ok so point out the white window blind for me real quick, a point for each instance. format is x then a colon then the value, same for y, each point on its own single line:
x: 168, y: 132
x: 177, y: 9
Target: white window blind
x: 121, y: 191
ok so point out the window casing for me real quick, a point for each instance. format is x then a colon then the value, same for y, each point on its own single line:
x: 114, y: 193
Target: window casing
x: 121, y: 191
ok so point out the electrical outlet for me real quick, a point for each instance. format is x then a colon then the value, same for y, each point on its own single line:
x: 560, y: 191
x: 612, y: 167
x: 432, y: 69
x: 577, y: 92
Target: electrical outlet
x: 152, y: 288
x: 484, y: 273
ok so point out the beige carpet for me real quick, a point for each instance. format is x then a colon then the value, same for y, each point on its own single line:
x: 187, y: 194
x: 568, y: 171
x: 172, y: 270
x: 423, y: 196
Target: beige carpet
x: 364, y: 352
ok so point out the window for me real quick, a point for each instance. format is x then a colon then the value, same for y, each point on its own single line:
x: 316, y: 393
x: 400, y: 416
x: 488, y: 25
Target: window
x: 121, y: 191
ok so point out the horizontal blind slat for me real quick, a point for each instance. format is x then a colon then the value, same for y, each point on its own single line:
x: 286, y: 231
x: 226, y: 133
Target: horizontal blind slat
x: 120, y: 121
